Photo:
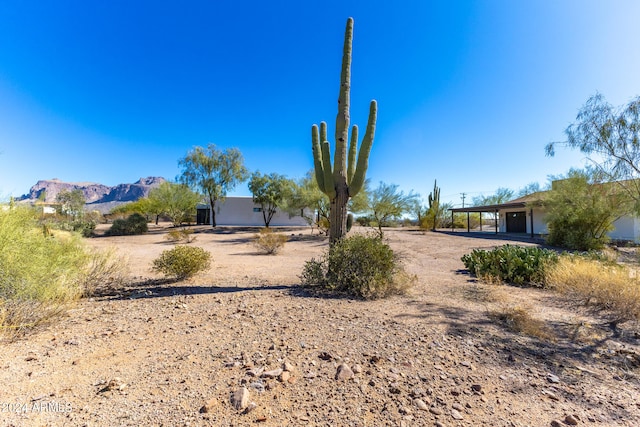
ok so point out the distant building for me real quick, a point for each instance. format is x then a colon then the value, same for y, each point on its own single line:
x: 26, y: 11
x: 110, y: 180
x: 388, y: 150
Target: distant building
x: 243, y: 211
x: 527, y: 215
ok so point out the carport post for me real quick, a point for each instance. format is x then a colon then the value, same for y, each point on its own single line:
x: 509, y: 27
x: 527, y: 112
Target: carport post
x: 452, y: 226
x: 481, y: 221
x: 531, y: 213
x: 468, y: 223
x: 495, y: 216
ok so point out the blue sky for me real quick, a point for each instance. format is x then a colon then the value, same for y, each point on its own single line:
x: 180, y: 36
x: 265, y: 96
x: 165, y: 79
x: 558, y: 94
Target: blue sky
x: 469, y: 92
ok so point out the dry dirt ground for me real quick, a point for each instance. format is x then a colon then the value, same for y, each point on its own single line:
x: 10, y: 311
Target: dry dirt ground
x: 158, y: 353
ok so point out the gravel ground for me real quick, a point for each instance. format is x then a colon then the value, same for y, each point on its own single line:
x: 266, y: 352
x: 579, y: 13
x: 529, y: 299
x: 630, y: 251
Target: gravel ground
x: 243, y: 345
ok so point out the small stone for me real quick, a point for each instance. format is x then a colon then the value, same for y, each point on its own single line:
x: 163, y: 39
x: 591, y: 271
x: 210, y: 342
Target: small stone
x: 552, y: 396
x: 255, y: 372
x: 258, y: 386
x: 477, y: 388
x: 240, y: 398
x: 556, y: 423
x: 208, y: 407
x: 272, y: 374
x: 420, y: 404
x: 466, y: 364
x: 571, y: 420
x: 114, y: 384
x: 288, y: 367
x: 439, y: 424
x: 357, y: 369
x: 458, y: 407
x: 344, y: 372
x: 250, y: 407
x: 553, y: 378
x: 325, y: 356
x: 456, y: 415
x: 435, y: 410
x: 284, y: 376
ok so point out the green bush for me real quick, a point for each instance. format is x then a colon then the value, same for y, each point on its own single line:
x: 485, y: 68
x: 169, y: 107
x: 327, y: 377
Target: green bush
x: 517, y: 265
x: 182, y: 261
x: 180, y: 234
x: 133, y: 224
x: 361, y: 265
x: 269, y: 242
x: 41, y: 270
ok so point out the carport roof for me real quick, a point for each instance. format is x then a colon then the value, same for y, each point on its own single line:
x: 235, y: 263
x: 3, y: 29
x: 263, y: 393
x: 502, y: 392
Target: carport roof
x: 521, y: 202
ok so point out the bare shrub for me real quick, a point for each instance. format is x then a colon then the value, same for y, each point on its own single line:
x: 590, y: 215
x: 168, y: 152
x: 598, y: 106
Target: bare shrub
x: 269, y: 241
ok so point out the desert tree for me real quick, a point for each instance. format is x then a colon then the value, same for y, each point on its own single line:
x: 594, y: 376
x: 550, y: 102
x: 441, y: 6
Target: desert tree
x: 346, y: 177
x: 177, y: 201
x: 501, y: 195
x: 610, y: 137
x: 71, y: 202
x: 213, y: 173
x: 271, y: 192
x: 386, y: 203
x: 581, y: 208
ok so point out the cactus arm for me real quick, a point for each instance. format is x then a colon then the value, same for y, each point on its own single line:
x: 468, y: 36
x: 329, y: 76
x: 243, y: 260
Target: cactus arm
x: 329, y: 185
x: 323, y: 132
x: 365, y: 148
x: 342, y: 119
x: 353, y: 147
x: 317, y: 157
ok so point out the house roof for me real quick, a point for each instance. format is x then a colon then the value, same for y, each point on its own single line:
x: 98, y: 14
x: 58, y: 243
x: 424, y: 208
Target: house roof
x: 521, y: 202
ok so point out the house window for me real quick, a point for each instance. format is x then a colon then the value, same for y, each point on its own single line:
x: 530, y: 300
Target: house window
x: 257, y: 209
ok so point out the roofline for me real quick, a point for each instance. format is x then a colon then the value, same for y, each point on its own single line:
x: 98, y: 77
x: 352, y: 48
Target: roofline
x: 490, y: 208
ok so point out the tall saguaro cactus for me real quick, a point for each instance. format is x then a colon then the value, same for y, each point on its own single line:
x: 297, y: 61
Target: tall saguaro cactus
x: 434, y: 204
x: 347, y: 176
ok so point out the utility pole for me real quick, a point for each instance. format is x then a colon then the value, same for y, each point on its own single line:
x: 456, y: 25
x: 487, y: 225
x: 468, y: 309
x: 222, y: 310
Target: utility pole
x: 464, y: 195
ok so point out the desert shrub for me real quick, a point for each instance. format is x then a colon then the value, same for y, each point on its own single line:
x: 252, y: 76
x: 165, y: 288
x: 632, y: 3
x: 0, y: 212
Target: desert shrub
x: 133, y: 224
x: 361, y: 265
x: 84, y: 226
x: 268, y: 241
x: 607, y: 288
x: 182, y: 261
x: 364, y: 220
x: 42, y: 271
x: 104, y: 269
x: 180, y: 235
x: 517, y: 265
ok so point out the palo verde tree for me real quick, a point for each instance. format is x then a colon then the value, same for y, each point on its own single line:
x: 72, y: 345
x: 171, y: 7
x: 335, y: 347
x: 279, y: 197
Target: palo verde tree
x: 581, y: 209
x: 270, y: 192
x: 346, y: 177
x: 612, y: 135
x: 177, y: 201
x: 213, y: 172
x: 386, y: 203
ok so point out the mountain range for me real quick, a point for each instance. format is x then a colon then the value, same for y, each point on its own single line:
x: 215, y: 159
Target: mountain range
x: 98, y: 196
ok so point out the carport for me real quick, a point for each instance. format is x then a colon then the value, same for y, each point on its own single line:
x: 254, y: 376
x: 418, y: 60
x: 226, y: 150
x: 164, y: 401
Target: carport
x: 515, y: 221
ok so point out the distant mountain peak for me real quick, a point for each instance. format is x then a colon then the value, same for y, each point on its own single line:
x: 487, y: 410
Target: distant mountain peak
x: 94, y: 193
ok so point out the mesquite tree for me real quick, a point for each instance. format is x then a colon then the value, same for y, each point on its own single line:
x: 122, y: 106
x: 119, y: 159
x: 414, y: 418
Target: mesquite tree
x: 347, y: 176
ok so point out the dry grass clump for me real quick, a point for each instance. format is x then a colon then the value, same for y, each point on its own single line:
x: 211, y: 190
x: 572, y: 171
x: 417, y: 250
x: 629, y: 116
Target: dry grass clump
x: 269, y: 241
x: 184, y: 235
x: 603, y: 287
x: 518, y: 319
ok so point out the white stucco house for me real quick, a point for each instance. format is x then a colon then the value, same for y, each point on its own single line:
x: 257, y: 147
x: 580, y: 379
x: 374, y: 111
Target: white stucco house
x: 525, y: 216
x: 242, y: 211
